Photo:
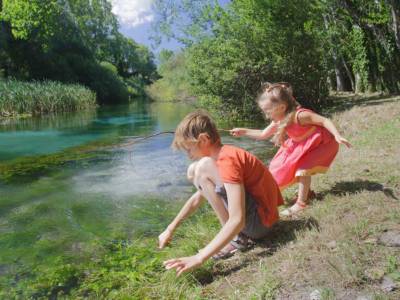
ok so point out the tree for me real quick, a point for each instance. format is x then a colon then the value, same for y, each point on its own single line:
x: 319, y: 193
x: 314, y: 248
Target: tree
x: 54, y: 39
x: 250, y: 42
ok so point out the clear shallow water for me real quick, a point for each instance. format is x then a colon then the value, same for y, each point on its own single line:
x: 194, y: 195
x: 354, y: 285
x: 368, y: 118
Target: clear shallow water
x: 122, y: 191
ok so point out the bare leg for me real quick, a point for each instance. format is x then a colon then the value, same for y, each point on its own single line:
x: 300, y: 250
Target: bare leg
x: 205, y: 178
x: 302, y: 198
x: 304, y: 188
x: 208, y: 191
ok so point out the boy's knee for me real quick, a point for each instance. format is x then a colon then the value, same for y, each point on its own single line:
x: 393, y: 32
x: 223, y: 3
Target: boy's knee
x: 205, y: 165
x: 203, y: 172
x: 191, y: 171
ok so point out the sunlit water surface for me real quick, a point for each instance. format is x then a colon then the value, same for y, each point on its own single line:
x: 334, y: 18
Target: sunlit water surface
x: 124, y: 190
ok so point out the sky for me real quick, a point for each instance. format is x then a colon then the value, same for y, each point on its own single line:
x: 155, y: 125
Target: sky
x: 135, y: 18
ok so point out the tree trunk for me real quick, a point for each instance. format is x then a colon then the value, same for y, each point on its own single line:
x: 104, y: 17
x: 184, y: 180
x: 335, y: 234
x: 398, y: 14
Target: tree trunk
x: 340, y: 80
x: 349, y: 74
x: 395, y: 11
x: 331, y: 82
x: 359, y: 88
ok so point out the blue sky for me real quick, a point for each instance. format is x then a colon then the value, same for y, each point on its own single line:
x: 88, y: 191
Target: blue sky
x: 135, y: 18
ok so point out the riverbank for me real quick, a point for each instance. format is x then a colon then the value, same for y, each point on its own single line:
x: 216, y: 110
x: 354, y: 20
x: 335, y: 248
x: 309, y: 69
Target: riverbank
x: 22, y: 99
x: 334, y: 249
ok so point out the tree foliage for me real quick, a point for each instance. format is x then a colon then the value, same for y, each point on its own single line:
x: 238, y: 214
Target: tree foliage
x: 67, y: 40
x: 314, y: 45
x: 174, y: 82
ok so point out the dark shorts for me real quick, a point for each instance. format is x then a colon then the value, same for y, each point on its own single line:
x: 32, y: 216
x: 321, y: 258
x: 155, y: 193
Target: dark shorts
x: 254, y: 228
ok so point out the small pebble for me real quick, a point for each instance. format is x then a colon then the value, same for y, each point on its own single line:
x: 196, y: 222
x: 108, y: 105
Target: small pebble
x: 315, y: 295
x: 390, y: 238
x: 331, y: 245
x: 388, y: 284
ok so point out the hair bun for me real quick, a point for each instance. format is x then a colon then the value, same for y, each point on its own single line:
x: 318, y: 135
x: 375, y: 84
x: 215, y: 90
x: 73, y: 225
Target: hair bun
x: 265, y: 85
x: 268, y: 86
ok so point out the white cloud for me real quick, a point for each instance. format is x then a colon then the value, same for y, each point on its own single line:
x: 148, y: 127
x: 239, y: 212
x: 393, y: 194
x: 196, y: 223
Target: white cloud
x: 133, y: 12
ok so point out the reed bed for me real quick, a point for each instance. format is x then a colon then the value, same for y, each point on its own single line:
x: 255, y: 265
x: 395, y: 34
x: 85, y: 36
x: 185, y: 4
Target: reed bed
x: 42, y: 97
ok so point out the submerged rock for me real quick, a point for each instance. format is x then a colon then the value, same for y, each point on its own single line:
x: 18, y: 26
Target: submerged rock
x: 164, y: 184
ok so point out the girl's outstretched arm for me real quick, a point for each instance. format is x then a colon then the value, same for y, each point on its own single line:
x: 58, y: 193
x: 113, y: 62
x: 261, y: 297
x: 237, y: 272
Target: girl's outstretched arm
x: 256, y: 134
x: 310, y: 118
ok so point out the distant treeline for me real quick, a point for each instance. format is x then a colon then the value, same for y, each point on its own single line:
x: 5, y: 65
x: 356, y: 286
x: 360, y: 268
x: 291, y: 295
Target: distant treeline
x: 317, y: 45
x: 73, y: 41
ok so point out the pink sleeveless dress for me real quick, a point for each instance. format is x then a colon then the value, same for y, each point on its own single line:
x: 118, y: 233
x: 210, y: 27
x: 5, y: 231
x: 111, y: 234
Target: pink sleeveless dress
x: 309, y: 149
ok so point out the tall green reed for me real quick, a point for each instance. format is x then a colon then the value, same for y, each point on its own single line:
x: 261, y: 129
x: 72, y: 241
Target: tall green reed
x: 41, y: 97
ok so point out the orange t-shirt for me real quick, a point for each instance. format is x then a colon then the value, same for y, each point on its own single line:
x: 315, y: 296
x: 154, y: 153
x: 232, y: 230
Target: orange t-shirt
x: 236, y: 165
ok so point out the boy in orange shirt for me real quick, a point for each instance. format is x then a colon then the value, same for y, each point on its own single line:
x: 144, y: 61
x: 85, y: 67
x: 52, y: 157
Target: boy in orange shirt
x: 238, y: 186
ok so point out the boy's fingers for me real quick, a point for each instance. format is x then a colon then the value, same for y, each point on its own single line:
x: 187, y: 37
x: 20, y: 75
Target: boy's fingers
x: 181, y: 269
x: 180, y: 272
x: 172, y: 265
x: 163, y: 242
x: 172, y: 262
x: 169, y: 261
x: 176, y: 265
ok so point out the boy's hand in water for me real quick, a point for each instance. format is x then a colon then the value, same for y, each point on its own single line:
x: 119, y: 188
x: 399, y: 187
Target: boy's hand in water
x: 237, y: 131
x: 342, y: 140
x: 183, y: 264
x: 164, y: 238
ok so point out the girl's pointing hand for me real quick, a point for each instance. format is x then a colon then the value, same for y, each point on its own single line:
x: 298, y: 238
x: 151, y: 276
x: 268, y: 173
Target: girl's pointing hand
x: 237, y: 131
x: 343, y: 141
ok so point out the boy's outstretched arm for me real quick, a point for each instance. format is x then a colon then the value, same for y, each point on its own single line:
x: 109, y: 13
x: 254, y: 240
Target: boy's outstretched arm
x: 190, y: 206
x: 256, y: 134
x: 235, y: 223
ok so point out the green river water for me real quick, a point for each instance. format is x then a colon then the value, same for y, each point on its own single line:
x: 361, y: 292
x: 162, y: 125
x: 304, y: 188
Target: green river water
x: 68, y: 180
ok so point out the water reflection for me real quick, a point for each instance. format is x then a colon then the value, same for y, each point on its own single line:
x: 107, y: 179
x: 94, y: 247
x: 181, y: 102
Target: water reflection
x: 50, y: 134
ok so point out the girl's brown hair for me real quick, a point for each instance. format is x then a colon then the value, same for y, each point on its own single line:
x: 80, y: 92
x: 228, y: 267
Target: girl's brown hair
x: 192, y: 126
x: 280, y: 92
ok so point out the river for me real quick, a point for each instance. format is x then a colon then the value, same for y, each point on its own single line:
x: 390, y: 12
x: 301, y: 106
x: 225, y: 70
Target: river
x: 70, y: 179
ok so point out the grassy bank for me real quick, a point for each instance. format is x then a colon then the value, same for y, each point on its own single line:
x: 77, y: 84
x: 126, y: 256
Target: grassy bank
x: 332, y: 250
x: 41, y: 97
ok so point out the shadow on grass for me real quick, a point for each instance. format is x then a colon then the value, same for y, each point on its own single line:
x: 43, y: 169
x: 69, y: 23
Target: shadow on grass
x: 282, y: 233
x: 352, y: 187
x: 346, y: 101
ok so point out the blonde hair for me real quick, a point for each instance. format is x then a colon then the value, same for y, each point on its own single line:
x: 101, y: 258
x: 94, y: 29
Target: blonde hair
x: 192, y: 126
x: 277, y: 93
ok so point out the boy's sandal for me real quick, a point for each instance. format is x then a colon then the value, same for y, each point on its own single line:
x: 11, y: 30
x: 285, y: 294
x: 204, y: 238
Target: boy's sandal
x: 223, y: 254
x: 289, y: 212
x: 241, y: 243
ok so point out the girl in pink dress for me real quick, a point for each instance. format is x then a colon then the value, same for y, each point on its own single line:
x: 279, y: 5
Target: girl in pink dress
x: 312, y: 143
